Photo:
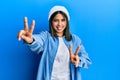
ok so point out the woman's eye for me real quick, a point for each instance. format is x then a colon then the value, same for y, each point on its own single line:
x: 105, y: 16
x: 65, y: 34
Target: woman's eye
x: 63, y: 19
x: 56, y: 20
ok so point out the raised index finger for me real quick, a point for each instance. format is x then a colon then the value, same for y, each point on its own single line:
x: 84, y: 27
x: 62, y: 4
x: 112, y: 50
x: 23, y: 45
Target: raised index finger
x: 70, y: 49
x: 77, y: 50
x: 32, y: 26
x: 25, y: 24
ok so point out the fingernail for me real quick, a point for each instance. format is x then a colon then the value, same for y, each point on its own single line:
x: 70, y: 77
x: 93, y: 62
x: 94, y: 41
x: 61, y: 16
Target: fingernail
x: 33, y: 20
x: 76, y: 65
x: 25, y: 17
x: 19, y: 39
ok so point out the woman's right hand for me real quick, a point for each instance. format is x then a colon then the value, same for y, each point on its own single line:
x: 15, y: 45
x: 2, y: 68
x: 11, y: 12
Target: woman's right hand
x: 26, y: 34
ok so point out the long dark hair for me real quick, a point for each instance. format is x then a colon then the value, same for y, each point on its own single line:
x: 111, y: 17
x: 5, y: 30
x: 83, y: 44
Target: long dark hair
x: 66, y: 32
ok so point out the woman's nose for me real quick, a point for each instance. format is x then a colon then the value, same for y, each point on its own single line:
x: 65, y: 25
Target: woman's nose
x: 59, y: 22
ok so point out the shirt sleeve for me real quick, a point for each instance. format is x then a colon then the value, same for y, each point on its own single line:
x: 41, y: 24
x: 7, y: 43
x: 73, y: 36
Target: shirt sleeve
x: 85, y: 61
x: 38, y: 45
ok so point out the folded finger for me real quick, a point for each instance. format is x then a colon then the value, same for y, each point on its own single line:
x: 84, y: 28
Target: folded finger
x: 20, y: 34
x: 73, y: 61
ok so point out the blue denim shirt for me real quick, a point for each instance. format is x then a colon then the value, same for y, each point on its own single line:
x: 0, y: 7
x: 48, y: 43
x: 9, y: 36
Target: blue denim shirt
x: 46, y: 46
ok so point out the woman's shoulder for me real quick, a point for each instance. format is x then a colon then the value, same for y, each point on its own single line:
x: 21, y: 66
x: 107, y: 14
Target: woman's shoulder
x: 76, y: 39
x: 74, y: 36
x: 43, y: 33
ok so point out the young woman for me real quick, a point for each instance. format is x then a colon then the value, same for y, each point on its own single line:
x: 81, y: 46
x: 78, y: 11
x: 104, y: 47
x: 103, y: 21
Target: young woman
x: 62, y: 52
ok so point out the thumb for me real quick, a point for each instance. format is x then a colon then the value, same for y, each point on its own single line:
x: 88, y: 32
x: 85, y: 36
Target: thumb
x: 76, y: 65
x: 77, y: 61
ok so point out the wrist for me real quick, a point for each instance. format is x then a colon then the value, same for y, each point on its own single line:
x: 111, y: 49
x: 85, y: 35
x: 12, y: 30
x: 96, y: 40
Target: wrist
x: 31, y: 41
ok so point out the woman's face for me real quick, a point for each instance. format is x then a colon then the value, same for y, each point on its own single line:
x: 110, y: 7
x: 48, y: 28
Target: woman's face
x: 59, y: 24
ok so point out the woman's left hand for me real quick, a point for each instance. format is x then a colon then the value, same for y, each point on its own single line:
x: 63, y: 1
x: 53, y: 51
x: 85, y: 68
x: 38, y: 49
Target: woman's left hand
x: 74, y: 58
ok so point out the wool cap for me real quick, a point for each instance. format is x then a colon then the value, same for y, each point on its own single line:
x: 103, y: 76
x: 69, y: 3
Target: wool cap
x: 58, y: 8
